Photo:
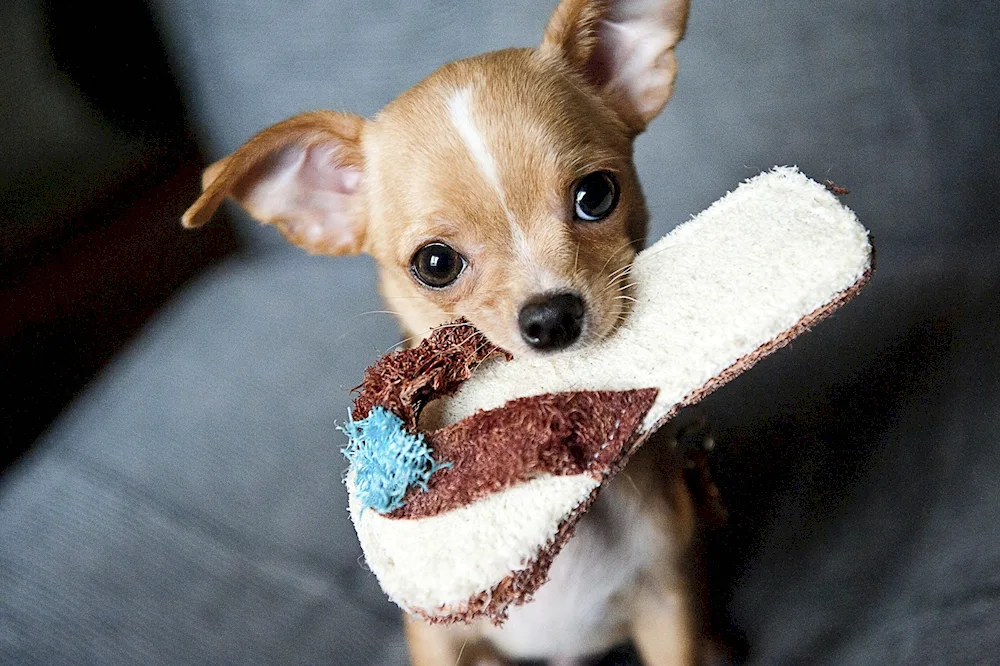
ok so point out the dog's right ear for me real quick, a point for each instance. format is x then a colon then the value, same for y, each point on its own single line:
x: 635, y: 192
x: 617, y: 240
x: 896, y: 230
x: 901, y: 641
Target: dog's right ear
x: 303, y: 175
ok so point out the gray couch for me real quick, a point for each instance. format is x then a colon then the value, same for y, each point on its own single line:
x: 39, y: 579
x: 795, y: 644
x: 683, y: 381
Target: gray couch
x: 188, y: 507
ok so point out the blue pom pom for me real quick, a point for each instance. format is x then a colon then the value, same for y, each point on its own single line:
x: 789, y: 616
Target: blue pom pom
x: 386, y: 459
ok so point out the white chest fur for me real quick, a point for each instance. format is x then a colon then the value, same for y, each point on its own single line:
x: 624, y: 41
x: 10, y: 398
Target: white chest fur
x: 583, y: 608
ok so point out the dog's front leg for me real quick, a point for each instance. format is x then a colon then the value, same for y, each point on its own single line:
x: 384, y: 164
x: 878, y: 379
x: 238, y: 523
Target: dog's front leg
x: 439, y: 645
x: 664, y: 624
x: 663, y: 628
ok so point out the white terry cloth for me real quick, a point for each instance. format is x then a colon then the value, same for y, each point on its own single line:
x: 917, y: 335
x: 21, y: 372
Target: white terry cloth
x: 713, y: 291
x: 445, y: 560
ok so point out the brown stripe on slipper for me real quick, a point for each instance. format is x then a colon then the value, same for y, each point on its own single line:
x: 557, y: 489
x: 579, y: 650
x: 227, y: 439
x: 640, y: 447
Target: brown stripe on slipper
x: 564, y: 433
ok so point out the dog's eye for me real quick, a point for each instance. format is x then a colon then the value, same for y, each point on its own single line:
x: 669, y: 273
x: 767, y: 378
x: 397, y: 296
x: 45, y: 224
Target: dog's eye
x: 595, y: 196
x: 437, y: 265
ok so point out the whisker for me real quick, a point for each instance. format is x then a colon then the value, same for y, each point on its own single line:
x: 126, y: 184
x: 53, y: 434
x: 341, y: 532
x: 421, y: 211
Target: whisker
x: 613, y: 255
x: 614, y: 278
x: 425, y: 332
x: 371, y: 312
x: 459, y: 659
x: 611, y: 284
x: 399, y: 344
x: 665, y: 247
x: 621, y: 271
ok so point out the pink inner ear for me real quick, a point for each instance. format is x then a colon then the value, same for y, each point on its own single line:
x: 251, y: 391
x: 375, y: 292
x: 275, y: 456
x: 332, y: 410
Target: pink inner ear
x: 632, y: 60
x: 309, y: 192
x: 603, y: 61
x: 321, y: 171
x: 628, y: 51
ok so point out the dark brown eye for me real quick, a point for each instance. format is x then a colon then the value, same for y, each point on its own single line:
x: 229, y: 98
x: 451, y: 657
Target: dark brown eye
x: 437, y: 265
x: 595, y: 196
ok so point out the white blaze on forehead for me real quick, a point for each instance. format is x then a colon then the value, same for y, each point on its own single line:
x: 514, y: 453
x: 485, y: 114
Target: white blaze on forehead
x: 460, y: 108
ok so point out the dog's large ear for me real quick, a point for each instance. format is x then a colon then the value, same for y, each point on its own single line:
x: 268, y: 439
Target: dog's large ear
x: 303, y: 175
x: 625, y: 48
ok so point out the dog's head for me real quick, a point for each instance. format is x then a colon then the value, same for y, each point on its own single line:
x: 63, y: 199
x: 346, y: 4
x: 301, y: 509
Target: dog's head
x: 500, y: 189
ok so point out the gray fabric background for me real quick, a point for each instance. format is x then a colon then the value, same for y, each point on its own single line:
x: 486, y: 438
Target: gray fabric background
x: 188, y: 507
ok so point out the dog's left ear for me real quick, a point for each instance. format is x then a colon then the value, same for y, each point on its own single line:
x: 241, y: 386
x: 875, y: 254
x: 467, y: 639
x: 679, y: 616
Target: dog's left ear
x: 624, y: 48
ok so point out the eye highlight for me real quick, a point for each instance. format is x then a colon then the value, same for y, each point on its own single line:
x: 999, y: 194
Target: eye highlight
x: 437, y: 265
x: 595, y: 196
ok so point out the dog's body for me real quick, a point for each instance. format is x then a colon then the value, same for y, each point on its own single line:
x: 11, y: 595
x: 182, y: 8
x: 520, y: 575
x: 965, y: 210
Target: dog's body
x: 502, y: 189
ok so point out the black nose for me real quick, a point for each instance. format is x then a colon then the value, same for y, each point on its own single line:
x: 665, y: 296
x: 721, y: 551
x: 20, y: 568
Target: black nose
x: 552, y: 321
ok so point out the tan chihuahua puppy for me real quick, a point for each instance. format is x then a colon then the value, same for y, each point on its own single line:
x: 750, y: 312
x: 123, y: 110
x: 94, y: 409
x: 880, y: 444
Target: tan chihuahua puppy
x: 502, y: 189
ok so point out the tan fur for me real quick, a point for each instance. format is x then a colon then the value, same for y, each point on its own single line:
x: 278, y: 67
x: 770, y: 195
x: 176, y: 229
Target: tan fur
x: 539, y: 120
x: 448, y: 198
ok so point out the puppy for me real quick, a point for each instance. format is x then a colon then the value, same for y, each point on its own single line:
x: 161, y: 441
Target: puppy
x: 502, y: 189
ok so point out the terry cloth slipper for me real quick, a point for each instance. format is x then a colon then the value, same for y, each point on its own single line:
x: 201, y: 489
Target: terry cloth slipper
x: 461, y: 519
